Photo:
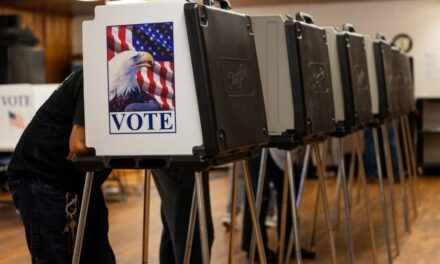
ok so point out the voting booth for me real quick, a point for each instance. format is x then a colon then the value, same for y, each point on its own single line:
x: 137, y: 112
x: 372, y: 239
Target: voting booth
x: 295, y: 72
x: 386, y: 81
x: 391, y: 80
x: 378, y: 96
x: 349, y: 72
x: 171, y: 84
x: 19, y: 104
x: 180, y: 83
x: 407, y: 103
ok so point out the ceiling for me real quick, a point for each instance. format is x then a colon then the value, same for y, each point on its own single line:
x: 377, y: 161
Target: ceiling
x: 72, y: 7
x: 65, y: 7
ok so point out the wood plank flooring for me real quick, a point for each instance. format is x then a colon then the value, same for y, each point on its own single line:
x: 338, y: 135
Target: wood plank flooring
x: 420, y: 247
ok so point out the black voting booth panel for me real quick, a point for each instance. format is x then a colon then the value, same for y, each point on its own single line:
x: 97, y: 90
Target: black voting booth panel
x: 229, y: 95
x: 227, y: 80
x: 385, y: 68
x: 354, y: 73
x: 310, y: 76
x: 407, y: 102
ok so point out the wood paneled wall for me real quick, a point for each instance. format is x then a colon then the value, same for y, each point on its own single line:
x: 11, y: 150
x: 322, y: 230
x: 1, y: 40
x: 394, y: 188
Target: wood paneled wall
x: 54, y: 33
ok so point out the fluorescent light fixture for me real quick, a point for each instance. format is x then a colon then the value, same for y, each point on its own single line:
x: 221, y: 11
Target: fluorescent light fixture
x: 112, y: 2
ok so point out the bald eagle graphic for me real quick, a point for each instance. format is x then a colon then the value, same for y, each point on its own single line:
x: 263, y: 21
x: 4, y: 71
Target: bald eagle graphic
x: 124, y: 91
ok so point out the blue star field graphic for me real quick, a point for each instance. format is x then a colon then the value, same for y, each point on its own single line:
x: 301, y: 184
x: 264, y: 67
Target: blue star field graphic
x: 156, y: 39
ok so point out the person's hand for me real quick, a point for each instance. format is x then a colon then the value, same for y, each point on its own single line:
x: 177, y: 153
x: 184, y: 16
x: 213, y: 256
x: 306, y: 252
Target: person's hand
x: 77, y: 143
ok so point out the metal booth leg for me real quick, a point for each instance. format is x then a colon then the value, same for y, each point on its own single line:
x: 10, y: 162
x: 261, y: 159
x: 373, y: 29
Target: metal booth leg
x: 83, y: 217
x: 259, y: 198
x: 251, y: 202
x: 202, y: 217
x: 382, y: 195
x: 337, y: 204
x: 197, y: 209
x: 283, y: 215
x: 413, y: 158
x: 351, y: 175
x: 363, y: 182
x: 401, y: 177
x: 325, y: 201
x: 293, y: 208
x: 146, y: 227
x: 318, y: 194
x: 233, y: 210
x: 410, y: 166
x: 390, y: 176
x: 304, y: 171
x: 289, y: 188
x: 347, y: 211
x: 191, y: 228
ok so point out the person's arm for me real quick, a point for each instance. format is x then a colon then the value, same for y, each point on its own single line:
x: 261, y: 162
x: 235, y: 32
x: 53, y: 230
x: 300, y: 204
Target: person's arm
x: 77, y: 142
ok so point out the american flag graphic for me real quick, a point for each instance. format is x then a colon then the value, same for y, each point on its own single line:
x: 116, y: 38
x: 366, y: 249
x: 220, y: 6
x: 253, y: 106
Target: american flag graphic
x: 156, y: 39
x: 16, y: 120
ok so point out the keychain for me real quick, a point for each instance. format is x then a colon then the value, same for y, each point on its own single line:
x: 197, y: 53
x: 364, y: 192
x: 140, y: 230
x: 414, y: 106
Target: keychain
x: 70, y: 228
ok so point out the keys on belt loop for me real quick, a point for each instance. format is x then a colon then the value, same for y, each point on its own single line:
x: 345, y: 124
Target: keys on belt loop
x: 70, y: 228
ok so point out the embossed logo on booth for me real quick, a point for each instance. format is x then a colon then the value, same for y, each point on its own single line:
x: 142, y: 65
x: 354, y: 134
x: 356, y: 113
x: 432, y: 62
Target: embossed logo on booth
x: 141, y: 89
x: 236, y: 79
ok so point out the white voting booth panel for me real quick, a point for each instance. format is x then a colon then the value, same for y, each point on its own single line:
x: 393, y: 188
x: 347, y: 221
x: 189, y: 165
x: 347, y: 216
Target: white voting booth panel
x: 372, y: 74
x: 140, y: 46
x: 19, y: 104
x: 335, y: 69
x: 270, y: 41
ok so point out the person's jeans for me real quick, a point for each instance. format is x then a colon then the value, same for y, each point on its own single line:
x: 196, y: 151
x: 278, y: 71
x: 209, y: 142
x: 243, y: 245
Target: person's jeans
x: 42, y: 209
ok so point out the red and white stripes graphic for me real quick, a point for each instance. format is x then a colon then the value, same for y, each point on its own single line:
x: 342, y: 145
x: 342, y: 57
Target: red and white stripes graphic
x: 157, y: 81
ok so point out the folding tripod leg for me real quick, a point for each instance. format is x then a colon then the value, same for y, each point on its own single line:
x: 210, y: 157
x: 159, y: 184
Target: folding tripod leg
x: 202, y: 218
x: 325, y: 202
x: 83, y: 217
x: 293, y: 208
x: 348, y: 226
x: 382, y: 195
x: 251, y: 202
x: 351, y: 175
x: 191, y: 228
x: 337, y: 204
x: 401, y: 177
x: 233, y: 210
x: 304, y: 171
x: 283, y: 215
x: 409, y: 164
x: 363, y: 182
x: 390, y: 176
x: 412, y: 158
x: 259, y: 198
x: 146, y: 227
x: 315, y: 216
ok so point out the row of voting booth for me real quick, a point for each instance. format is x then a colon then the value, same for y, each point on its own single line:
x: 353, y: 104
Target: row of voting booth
x: 175, y: 84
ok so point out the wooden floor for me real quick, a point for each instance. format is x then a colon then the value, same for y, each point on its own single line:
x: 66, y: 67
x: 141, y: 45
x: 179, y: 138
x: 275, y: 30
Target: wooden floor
x: 419, y: 247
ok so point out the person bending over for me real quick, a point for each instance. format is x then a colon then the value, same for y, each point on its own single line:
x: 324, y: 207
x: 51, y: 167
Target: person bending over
x: 43, y: 181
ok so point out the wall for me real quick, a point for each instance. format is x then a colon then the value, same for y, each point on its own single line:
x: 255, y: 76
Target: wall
x: 77, y: 32
x: 54, y: 33
x: 420, y: 19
